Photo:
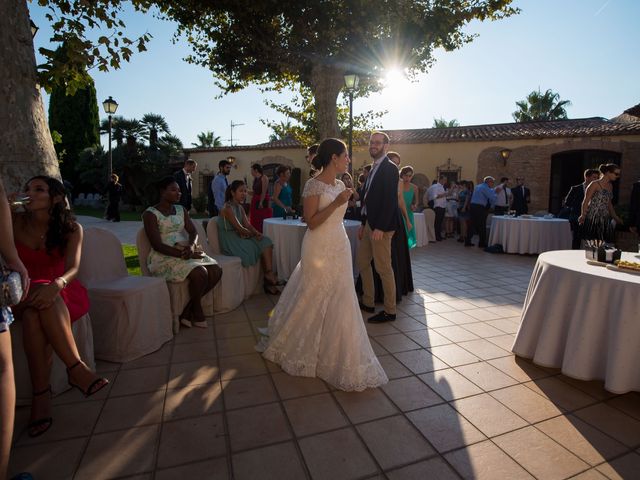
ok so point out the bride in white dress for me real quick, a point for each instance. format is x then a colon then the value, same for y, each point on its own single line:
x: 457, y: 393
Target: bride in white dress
x: 316, y: 329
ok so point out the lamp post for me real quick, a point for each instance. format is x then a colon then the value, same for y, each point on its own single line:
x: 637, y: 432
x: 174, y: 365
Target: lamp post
x: 351, y: 81
x: 110, y: 107
x: 34, y: 28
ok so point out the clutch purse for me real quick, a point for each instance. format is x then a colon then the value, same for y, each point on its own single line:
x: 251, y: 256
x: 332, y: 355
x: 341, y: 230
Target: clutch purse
x: 11, y: 285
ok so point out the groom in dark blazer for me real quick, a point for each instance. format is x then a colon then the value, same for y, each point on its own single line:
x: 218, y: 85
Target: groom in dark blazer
x: 521, y: 197
x: 573, y: 203
x: 379, y: 219
x: 183, y: 179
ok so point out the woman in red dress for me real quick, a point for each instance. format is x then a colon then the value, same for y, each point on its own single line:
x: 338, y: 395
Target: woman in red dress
x: 49, y: 241
x: 260, y: 208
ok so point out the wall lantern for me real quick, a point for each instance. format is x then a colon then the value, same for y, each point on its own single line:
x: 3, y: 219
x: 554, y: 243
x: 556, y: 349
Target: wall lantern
x: 505, y: 153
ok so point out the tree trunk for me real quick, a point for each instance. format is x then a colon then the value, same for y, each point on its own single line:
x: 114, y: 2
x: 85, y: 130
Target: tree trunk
x: 26, y: 148
x: 326, y: 83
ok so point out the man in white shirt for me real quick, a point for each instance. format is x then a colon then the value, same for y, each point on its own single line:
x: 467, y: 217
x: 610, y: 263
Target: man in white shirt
x: 503, y: 198
x: 438, y: 194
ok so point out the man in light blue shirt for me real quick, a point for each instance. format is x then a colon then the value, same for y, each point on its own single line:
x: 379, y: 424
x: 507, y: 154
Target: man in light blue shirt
x: 219, y: 185
x: 483, y: 198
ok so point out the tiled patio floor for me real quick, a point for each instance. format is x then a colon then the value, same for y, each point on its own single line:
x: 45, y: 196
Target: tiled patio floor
x: 458, y: 405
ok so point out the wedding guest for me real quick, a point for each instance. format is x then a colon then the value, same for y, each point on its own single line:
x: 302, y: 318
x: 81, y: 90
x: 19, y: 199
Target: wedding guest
x: 521, y: 197
x: 183, y: 177
x: 483, y: 197
x: 174, y: 254
x: 240, y: 239
x: 597, y: 209
x: 573, y: 204
x: 353, y: 210
x: 634, y: 208
x: 451, y: 209
x: 219, y: 186
x: 114, y: 194
x: 12, y: 261
x: 503, y: 199
x: 282, y: 193
x: 260, y: 208
x: 438, y: 195
x: 408, y: 203
x: 49, y: 242
x: 464, y: 200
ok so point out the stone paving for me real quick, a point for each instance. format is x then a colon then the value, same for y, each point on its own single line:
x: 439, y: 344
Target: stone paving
x: 458, y: 404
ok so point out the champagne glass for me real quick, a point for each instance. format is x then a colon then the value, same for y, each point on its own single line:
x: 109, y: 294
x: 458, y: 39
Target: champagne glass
x: 20, y: 201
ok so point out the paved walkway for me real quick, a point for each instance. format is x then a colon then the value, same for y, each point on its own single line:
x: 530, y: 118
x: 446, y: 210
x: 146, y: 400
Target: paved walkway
x: 125, y: 231
x: 459, y: 404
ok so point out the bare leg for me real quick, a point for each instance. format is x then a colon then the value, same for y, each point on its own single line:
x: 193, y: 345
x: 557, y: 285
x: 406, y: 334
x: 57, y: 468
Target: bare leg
x: 198, y: 282
x: 267, y: 264
x: 7, y: 401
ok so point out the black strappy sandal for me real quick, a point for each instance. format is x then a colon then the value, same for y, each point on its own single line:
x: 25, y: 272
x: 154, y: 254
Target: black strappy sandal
x: 34, y: 427
x: 97, y: 385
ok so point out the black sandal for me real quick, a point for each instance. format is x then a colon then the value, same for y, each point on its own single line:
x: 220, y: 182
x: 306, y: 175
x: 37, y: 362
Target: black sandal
x: 33, y: 428
x: 97, y: 385
x: 270, y: 289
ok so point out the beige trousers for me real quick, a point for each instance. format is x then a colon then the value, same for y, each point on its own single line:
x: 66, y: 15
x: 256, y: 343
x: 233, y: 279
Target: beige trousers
x: 380, y: 252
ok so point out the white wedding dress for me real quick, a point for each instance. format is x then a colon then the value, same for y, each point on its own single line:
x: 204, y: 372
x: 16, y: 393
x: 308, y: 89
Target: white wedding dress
x: 317, y: 329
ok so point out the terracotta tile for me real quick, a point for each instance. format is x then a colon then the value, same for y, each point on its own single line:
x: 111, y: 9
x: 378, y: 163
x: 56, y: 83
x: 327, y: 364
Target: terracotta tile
x: 440, y: 308
x: 628, y: 403
x: 244, y: 392
x: 410, y: 394
x: 529, y: 446
x: 131, y: 411
x: 560, y: 393
x: 191, y: 440
x: 104, y: 366
x: 314, y: 414
x: 242, y: 366
x: 159, y: 357
x: 230, y: 330
x: 215, y: 469
x: 622, y: 468
x: 460, y: 305
x: 503, y: 341
x: 445, y: 428
x: 481, y: 313
x: 526, y: 403
x: 191, y: 352
x: 449, y: 384
x: 582, y: 439
x: 456, y: 333
x: 420, y: 361
x: 428, y: 338
x: 394, y: 441
x: 484, y: 349
x: 435, y: 468
x: 236, y: 346
x: 488, y: 415
x: 53, y: 460
x: 459, y: 318
x: 194, y: 335
x: 486, y: 376
x: 140, y: 380
x: 237, y: 315
x: 365, y: 406
x: 413, y: 309
x: 397, y: 343
x: 193, y: 373
x: 453, y: 355
x: 257, y: 426
x: 337, y: 455
x: 433, y: 320
x: 506, y: 325
x: 116, y: 454
x: 193, y: 401
x: 277, y: 462
x: 289, y: 386
x: 376, y: 329
x: 485, y: 461
x: 377, y: 348
x: 392, y: 367
x: 408, y: 325
x: 592, y: 474
x: 620, y: 426
x: 593, y: 388
x: 518, y: 368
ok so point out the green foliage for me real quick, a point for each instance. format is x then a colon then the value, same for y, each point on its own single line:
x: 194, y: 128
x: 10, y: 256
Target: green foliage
x: 541, y: 107
x: 152, y: 124
x: 200, y: 203
x: 442, y: 123
x: 207, y: 140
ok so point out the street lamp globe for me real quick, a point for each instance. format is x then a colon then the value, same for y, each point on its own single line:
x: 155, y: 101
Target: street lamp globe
x: 110, y: 106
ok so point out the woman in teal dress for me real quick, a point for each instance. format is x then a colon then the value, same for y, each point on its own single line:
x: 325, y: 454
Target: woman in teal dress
x: 409, y: 202
x: 175, y: 255
x: 282, y: 199
x: 240, y: 239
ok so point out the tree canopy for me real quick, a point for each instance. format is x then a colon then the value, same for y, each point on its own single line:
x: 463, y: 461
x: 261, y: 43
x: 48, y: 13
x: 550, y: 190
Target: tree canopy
x: 442, y: 123
x: 541, y: 107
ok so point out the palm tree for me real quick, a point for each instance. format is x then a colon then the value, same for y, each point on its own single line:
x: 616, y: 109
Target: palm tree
x: 170, y: 144
x: 152, y: 123
x: 442, y: 123
x: 541, y: 107
x: 117, y: 133
x: 207, y: 140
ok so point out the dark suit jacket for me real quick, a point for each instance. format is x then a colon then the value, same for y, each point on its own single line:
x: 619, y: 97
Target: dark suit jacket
x: 381, y: 198
x: 520, y: 201
x: 185, y: 198
x: 573, y: 201
x: 634, y: 206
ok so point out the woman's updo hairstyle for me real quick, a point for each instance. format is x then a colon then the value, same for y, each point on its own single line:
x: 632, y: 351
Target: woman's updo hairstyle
x: 608, y: 168
x: 231, y: 189
x: 328, y: 147
x: 406, y: 170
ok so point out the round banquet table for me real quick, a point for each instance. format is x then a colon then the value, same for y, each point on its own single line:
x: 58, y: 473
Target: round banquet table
x: 530, y: 235
x: 287, y: 236
x: 583, y: 319
x: 421, y: 229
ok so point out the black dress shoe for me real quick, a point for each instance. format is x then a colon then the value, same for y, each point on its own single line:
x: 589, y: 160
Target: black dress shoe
x: 365, y: 308
x: 382, y: 317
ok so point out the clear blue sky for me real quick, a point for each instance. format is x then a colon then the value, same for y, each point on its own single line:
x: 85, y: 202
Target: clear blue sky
x: 586, y: 50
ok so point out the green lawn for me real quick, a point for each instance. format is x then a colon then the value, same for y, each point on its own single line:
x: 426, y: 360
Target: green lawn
x: 130, y: 253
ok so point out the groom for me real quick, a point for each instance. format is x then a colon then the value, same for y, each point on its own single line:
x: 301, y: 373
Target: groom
x: 379, y: 220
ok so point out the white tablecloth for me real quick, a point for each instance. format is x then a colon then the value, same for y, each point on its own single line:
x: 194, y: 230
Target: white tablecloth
x: 421, y: 229
x: 530, y: 235
x: 583, y: 319
x: 287, y: 238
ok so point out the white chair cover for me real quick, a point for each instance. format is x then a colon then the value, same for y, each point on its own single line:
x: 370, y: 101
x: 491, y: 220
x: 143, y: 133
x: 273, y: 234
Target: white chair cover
x: 131, y: 315
x: 430, y: 221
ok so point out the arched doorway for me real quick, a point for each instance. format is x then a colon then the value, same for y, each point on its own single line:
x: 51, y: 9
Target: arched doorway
x: 567, y: 169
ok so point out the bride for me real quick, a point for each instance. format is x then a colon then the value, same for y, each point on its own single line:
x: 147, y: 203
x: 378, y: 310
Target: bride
x: 316, y: 329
